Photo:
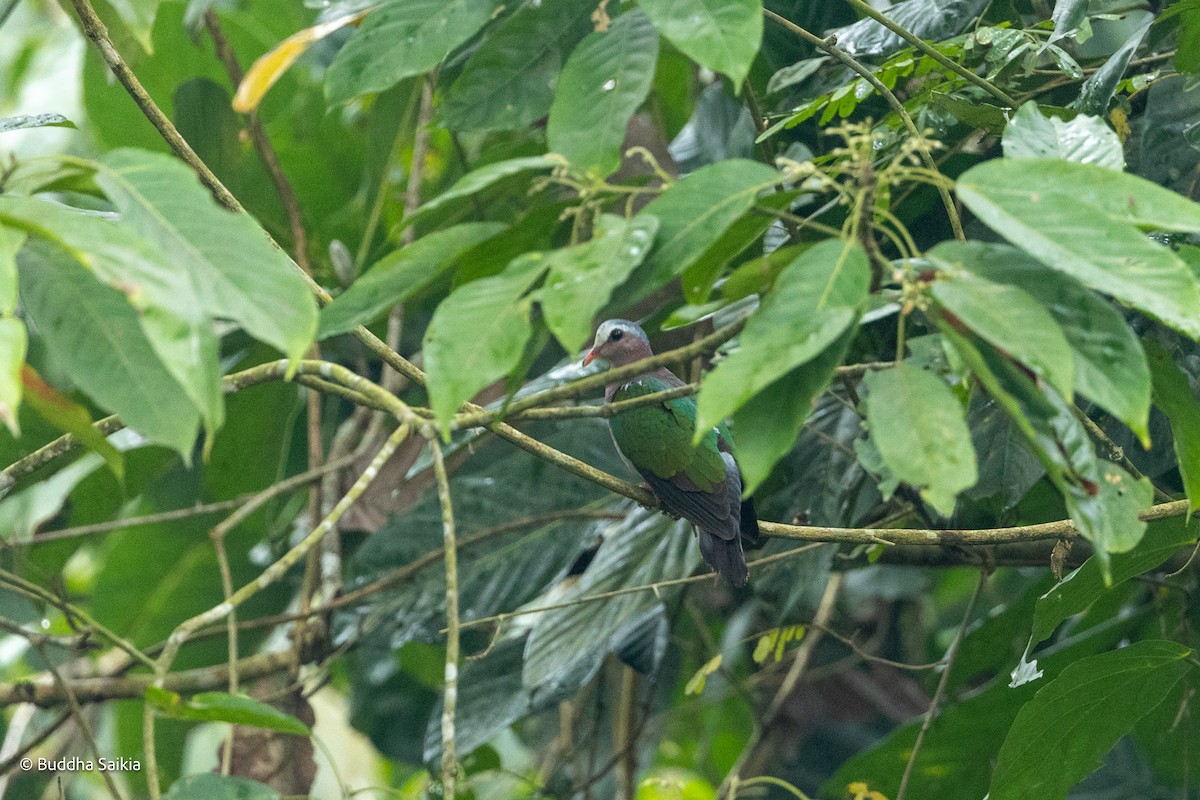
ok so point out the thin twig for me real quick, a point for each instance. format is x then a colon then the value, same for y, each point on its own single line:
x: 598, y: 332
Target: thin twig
x: 951, y: 654
x: 450, y: 557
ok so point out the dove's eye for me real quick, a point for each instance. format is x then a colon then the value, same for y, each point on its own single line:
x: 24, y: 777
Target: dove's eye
x: 616, y: 335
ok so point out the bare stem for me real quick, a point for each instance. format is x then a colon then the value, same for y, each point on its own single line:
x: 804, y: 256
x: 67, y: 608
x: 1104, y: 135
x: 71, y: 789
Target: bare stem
x: 450, y: 558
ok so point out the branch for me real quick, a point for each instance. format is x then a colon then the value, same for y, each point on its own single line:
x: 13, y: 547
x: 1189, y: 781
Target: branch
x: 450, y: 551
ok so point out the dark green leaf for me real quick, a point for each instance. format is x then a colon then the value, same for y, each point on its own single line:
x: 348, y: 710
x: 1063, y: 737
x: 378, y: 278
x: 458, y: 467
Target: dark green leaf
x: 604, y: 81
x: 643, y: 548
x: 1174, y: 395
x: 699, y: 278
x: 694, y: 213
x: 768, y: 423
x: 158, y: 288
x: 934, y: 20
x: 1086, y: 139
x: 509, y: 81
x: 236, y: 272
x: 478, y: 334
x: 237, y: 709
x: 1070, y: 17
x: 1080, y: 218
x: 93, y: 332
x: 398, y: 275
x: 815, y: 299
x: 1059, y: 736
x: 1110, y: 368
x: 583, y: 277
x: 402, y: 39
x: 723, y: 35
x: 1012, y: 321
x: 210, y: 786
x: 919, y: 428
x: 1098, y: 89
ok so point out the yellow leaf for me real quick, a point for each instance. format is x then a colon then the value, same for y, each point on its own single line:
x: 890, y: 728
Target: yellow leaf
x: 766, y: 644
x: 696, y: 684
x: 270, y: 67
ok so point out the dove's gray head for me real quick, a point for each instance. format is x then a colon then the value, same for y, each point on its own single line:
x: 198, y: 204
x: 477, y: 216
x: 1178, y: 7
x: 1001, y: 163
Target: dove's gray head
x: 619, y: 341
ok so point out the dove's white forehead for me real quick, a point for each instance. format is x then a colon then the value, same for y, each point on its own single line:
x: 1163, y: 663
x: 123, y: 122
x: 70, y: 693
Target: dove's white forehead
x: 606, y: 328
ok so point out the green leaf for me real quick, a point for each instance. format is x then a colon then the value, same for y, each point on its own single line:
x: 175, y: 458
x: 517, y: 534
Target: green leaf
x: 24, y: 121
x: 1097, y: 91
x: 604, y: 81
x: 1070, y: 17
x: 768, y: 423
x: 210, y: 786
x: 509, y: 81
x: 1060, y: 736
x: 224, y: 707
x: 22, y: 513
x: 400, y: 274
x: 695, y: 684
x: 403, y: 38
x: 694, y: 213
x: 236, y: 272
x: 723, y: 35
x: 1011, y: 320
x: 698, y: 279
x: 478, y: 180
x: 1085, y: 139
x: 1110, y: 367
x: 583, y: 277
x: 157, y: 287
x: 1080, y: 218
x: 1174, y: 395
x: 478, y: 334
x: 815, y: 299
x: 13, y: 341
x: 933, y: 20
x: 1082, y: 587
x: 94, y: 333
x: 1102, y: 499
x: 138, y: 17
x: 920, y: 430
x: 642, y: 548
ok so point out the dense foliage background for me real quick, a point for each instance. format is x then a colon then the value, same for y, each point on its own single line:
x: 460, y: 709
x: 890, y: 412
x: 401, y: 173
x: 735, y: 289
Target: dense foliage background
x: 943, y: 256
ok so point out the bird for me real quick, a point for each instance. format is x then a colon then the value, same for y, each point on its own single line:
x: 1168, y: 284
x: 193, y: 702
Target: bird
x: 700, y: 483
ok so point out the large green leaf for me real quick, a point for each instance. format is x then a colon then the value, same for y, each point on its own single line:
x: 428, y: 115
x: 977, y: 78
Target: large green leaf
x: 1102, y: 499
x: 920, y: 430
x: 1080, y: 219
x: 1011, y: 320
x: 815, y: 299
x: 583, y: 277
x: 402, y: 39
x: 643, y: 548
x: 236, y: 272
x: 210, y: 786
x: 1085, y: 585
x: 723, y: 35
x: 694, y: 213
x: 138, y: 18
x: 766, y: 426
x: 1175, y: 396
x: 237, y: 709
x: 1110, y: 367
x: 93, y: 332
x: 13, y: 341
x: 158, y: 287
x: 933, y: 20
x: 1098, y: 90
x: 400, y: 274
x: 1088, y: 140
x: 509, y: 81
x: 604, y: 81
x: 1060, y: 736
x: 478, y: 335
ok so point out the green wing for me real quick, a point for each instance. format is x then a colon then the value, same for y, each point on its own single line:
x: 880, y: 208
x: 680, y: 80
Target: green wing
x: 658, y: 438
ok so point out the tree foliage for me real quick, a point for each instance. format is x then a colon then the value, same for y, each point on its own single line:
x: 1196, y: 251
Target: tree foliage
x: 292, y: 307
